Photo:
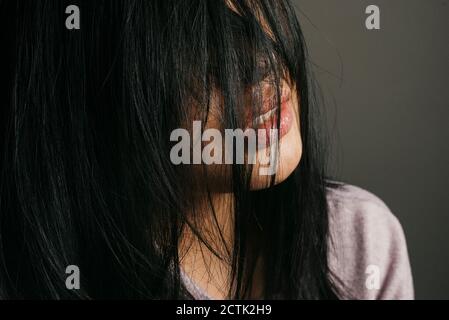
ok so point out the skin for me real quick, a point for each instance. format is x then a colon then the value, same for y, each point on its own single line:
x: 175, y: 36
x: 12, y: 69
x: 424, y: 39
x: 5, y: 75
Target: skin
x: 290, y: 146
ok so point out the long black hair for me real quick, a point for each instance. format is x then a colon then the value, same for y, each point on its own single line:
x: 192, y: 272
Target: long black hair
x: 85, y: 173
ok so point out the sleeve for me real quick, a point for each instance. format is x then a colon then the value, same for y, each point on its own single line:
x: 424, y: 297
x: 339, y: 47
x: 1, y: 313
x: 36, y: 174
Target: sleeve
x: 369, y: 256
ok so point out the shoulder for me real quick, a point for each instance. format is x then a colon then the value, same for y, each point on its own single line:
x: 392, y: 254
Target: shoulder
x: 368, y: 252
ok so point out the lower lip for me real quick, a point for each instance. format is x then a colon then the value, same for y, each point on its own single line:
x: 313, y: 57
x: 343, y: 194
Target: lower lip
x: 286, y: 122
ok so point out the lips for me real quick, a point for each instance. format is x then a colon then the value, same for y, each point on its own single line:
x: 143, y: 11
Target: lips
x: 268, y: 119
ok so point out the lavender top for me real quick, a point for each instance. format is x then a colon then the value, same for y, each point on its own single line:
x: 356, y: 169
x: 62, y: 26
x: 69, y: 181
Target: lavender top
x: 368, y: 252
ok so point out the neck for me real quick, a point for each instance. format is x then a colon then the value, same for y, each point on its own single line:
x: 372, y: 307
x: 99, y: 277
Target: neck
x: 206, y: 243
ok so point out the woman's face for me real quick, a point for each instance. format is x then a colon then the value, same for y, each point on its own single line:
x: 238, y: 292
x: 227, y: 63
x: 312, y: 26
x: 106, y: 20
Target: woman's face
x: 289, y: 149
x: 262, y: 103
x: 261, y: 118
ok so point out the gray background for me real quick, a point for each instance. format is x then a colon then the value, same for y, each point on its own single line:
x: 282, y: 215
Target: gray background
x: 387, y: 102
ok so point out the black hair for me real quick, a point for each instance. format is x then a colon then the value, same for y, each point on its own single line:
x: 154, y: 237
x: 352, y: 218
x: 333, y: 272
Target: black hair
x: 85, y: 173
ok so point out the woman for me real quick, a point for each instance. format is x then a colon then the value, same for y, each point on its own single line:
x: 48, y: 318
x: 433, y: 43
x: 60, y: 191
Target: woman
x: 90, y: 169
